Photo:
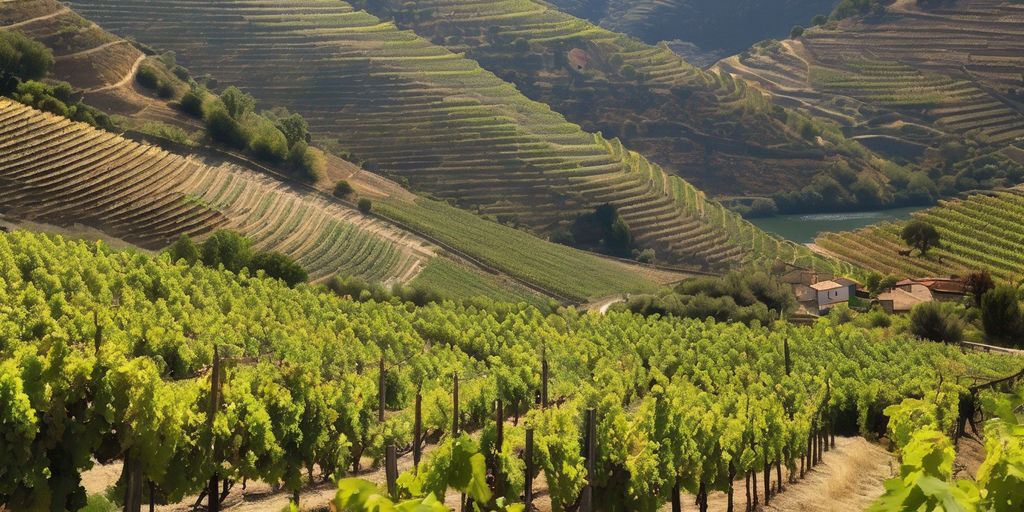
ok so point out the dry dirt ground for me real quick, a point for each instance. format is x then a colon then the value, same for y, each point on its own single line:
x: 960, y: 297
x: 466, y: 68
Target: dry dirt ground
x: 849, y: 479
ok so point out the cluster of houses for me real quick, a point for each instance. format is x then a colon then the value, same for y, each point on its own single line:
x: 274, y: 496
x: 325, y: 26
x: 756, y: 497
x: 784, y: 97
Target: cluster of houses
x: 817, y: 294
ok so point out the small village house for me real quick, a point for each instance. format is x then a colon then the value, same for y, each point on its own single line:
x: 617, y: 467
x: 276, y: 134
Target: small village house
x: 911, y: 292
x: 829, y: 293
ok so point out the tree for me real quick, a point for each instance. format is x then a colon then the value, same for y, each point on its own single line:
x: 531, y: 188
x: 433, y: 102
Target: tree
x: 279, y: 266
x: 237, y: 103
x: 227, y: 248
x: 797, y: 32
x: 921, y: 236
x: 267, y: 142
x: 365, y: 205
x: 21, y: 58
x: 1001, y: 313
x: 222, y: 127
x: 343, y: 189
x: 978, y: 284
x: 184, y: 249
x: 294, y: 127
x: 935, y: 321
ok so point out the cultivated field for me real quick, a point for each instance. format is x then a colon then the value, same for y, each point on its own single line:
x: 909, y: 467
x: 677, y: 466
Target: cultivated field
x: 414, y: 110
x: 982, y: 232
x: 56, y: 171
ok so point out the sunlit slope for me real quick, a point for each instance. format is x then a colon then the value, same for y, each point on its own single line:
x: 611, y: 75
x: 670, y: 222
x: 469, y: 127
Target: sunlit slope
x: 982, y: 232
x: 956, y: 69
x: 416, y: 111
x: 59, y: 172
x: 722, y: 135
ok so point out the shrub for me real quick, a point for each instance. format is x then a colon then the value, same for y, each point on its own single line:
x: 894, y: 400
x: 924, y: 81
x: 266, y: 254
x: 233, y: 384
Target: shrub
x: 237, y: 103
x: 227, y: 248
x: 148, y: 77
x: 191, y: 102
x: 343, y: 189
x: 308, y: 163
x: 294, y: 127
x: 937, y: 322
x: 365, y: 205
x: 165, y: 91
x: 797, y: 32
x: 267, y: 142
x: 223, y: 128
x: 279, y: 266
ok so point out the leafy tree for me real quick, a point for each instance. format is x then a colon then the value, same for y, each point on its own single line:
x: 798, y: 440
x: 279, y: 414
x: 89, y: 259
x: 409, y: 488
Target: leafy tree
x: 935, y: 321
x: 238, y: 104
x: 266, y: 142
x: 978, y: 284
x: 308, y: 162
x: 819, y: 20
x: 294, y: 127
x: 1001, y: 313
x: 921, y: 236
x: 184, y: 249
x: 797, y: 32
x: 227, y: 248
x: 343, y: 189
x: 279, y: 266
x: 222, y: 127
x: 192, y: 101
x: 21, y: 58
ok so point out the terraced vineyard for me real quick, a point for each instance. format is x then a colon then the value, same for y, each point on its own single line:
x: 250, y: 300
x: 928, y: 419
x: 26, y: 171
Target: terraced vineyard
x: 956, y: 69
x: 411, y: 109
x: 981, y: 232
x: 720, y: 134
x: 59, y: 172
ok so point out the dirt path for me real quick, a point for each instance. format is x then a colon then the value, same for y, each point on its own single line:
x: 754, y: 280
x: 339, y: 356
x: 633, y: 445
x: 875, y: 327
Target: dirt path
x: 53, y: 14
x: 91, y: 51
x: 815, y: 248
x: 124, y: 81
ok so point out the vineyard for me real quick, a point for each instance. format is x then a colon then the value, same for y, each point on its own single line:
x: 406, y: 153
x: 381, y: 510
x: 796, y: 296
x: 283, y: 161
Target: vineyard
x: 413, y: 110
x: 720, y: 134
x: 979, y: 233
x: 196, y: 378
x: 955, y: 68
x: 59, y: 172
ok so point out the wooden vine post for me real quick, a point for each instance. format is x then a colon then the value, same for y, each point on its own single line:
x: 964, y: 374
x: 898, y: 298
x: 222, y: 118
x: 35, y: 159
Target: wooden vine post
x: 417, y: 432
x: 391, y: 470
x: 530, y: 471
x: 544, y: 380
x: 455, y: 405
x: 213, y: 492
x: 587, y: 499
x: 381, y: 391
x: 499, y: 441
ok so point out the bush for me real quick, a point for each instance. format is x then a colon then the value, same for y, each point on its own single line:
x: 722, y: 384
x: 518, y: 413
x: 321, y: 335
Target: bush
x: 237, y: 103
x: 937, y: 322
x: 223, y: 128
x: 736, y: 297
x: 227, y: 248
x: 343, y: 189
x: 279, y: 266
x: 165, y: 91
x: 147, y: 77
x: 293, y: 126
x: 191, y: 102
x: 797, y: 32
x: 308, y: 163
x: 21, y: 58
x: 267, y: 142
x: 365, y: 205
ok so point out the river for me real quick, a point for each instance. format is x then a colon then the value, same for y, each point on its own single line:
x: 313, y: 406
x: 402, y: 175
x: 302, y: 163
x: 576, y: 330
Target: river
x: 803, y: 228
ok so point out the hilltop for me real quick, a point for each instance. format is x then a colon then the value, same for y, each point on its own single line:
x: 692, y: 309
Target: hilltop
x: 413, y: 239
x: 724, y: 136
x: 935, y: 88
x: 425, y: 116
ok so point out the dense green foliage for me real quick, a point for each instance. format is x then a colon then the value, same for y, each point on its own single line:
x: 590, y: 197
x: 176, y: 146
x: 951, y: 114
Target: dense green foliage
x: 233, y: 251
x: 59, y: 99
x: 739, y: 296
x: 103, y: 355
x: 21, y: 59
x: 921, y: 236
x: 937, y: 322
x: 603, y: 230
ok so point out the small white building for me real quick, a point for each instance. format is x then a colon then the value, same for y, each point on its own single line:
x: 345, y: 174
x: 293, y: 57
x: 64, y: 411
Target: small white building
x: 830, y: 293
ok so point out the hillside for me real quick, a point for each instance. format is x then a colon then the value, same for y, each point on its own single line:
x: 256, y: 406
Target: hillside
x: 479, y: 257
x: 184, y: 373
x: 926, y: 86
x: 982, y: 232
x: 715, y: 27
x: 419, y: 113
x: 725, y: 137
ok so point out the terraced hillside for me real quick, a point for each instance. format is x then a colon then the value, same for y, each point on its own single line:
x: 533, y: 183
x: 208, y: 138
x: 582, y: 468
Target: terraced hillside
x: 954, y: 69
x: 59, y: 172
x: 714, y: 26
x: 722, y: 135
x: 414, y: 110
x: 981, y: 232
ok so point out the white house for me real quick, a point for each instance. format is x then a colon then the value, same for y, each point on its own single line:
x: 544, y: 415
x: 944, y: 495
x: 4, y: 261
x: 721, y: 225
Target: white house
x: 830, y: 293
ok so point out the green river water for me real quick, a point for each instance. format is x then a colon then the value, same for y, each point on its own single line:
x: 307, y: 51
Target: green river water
x: 803, y: 228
